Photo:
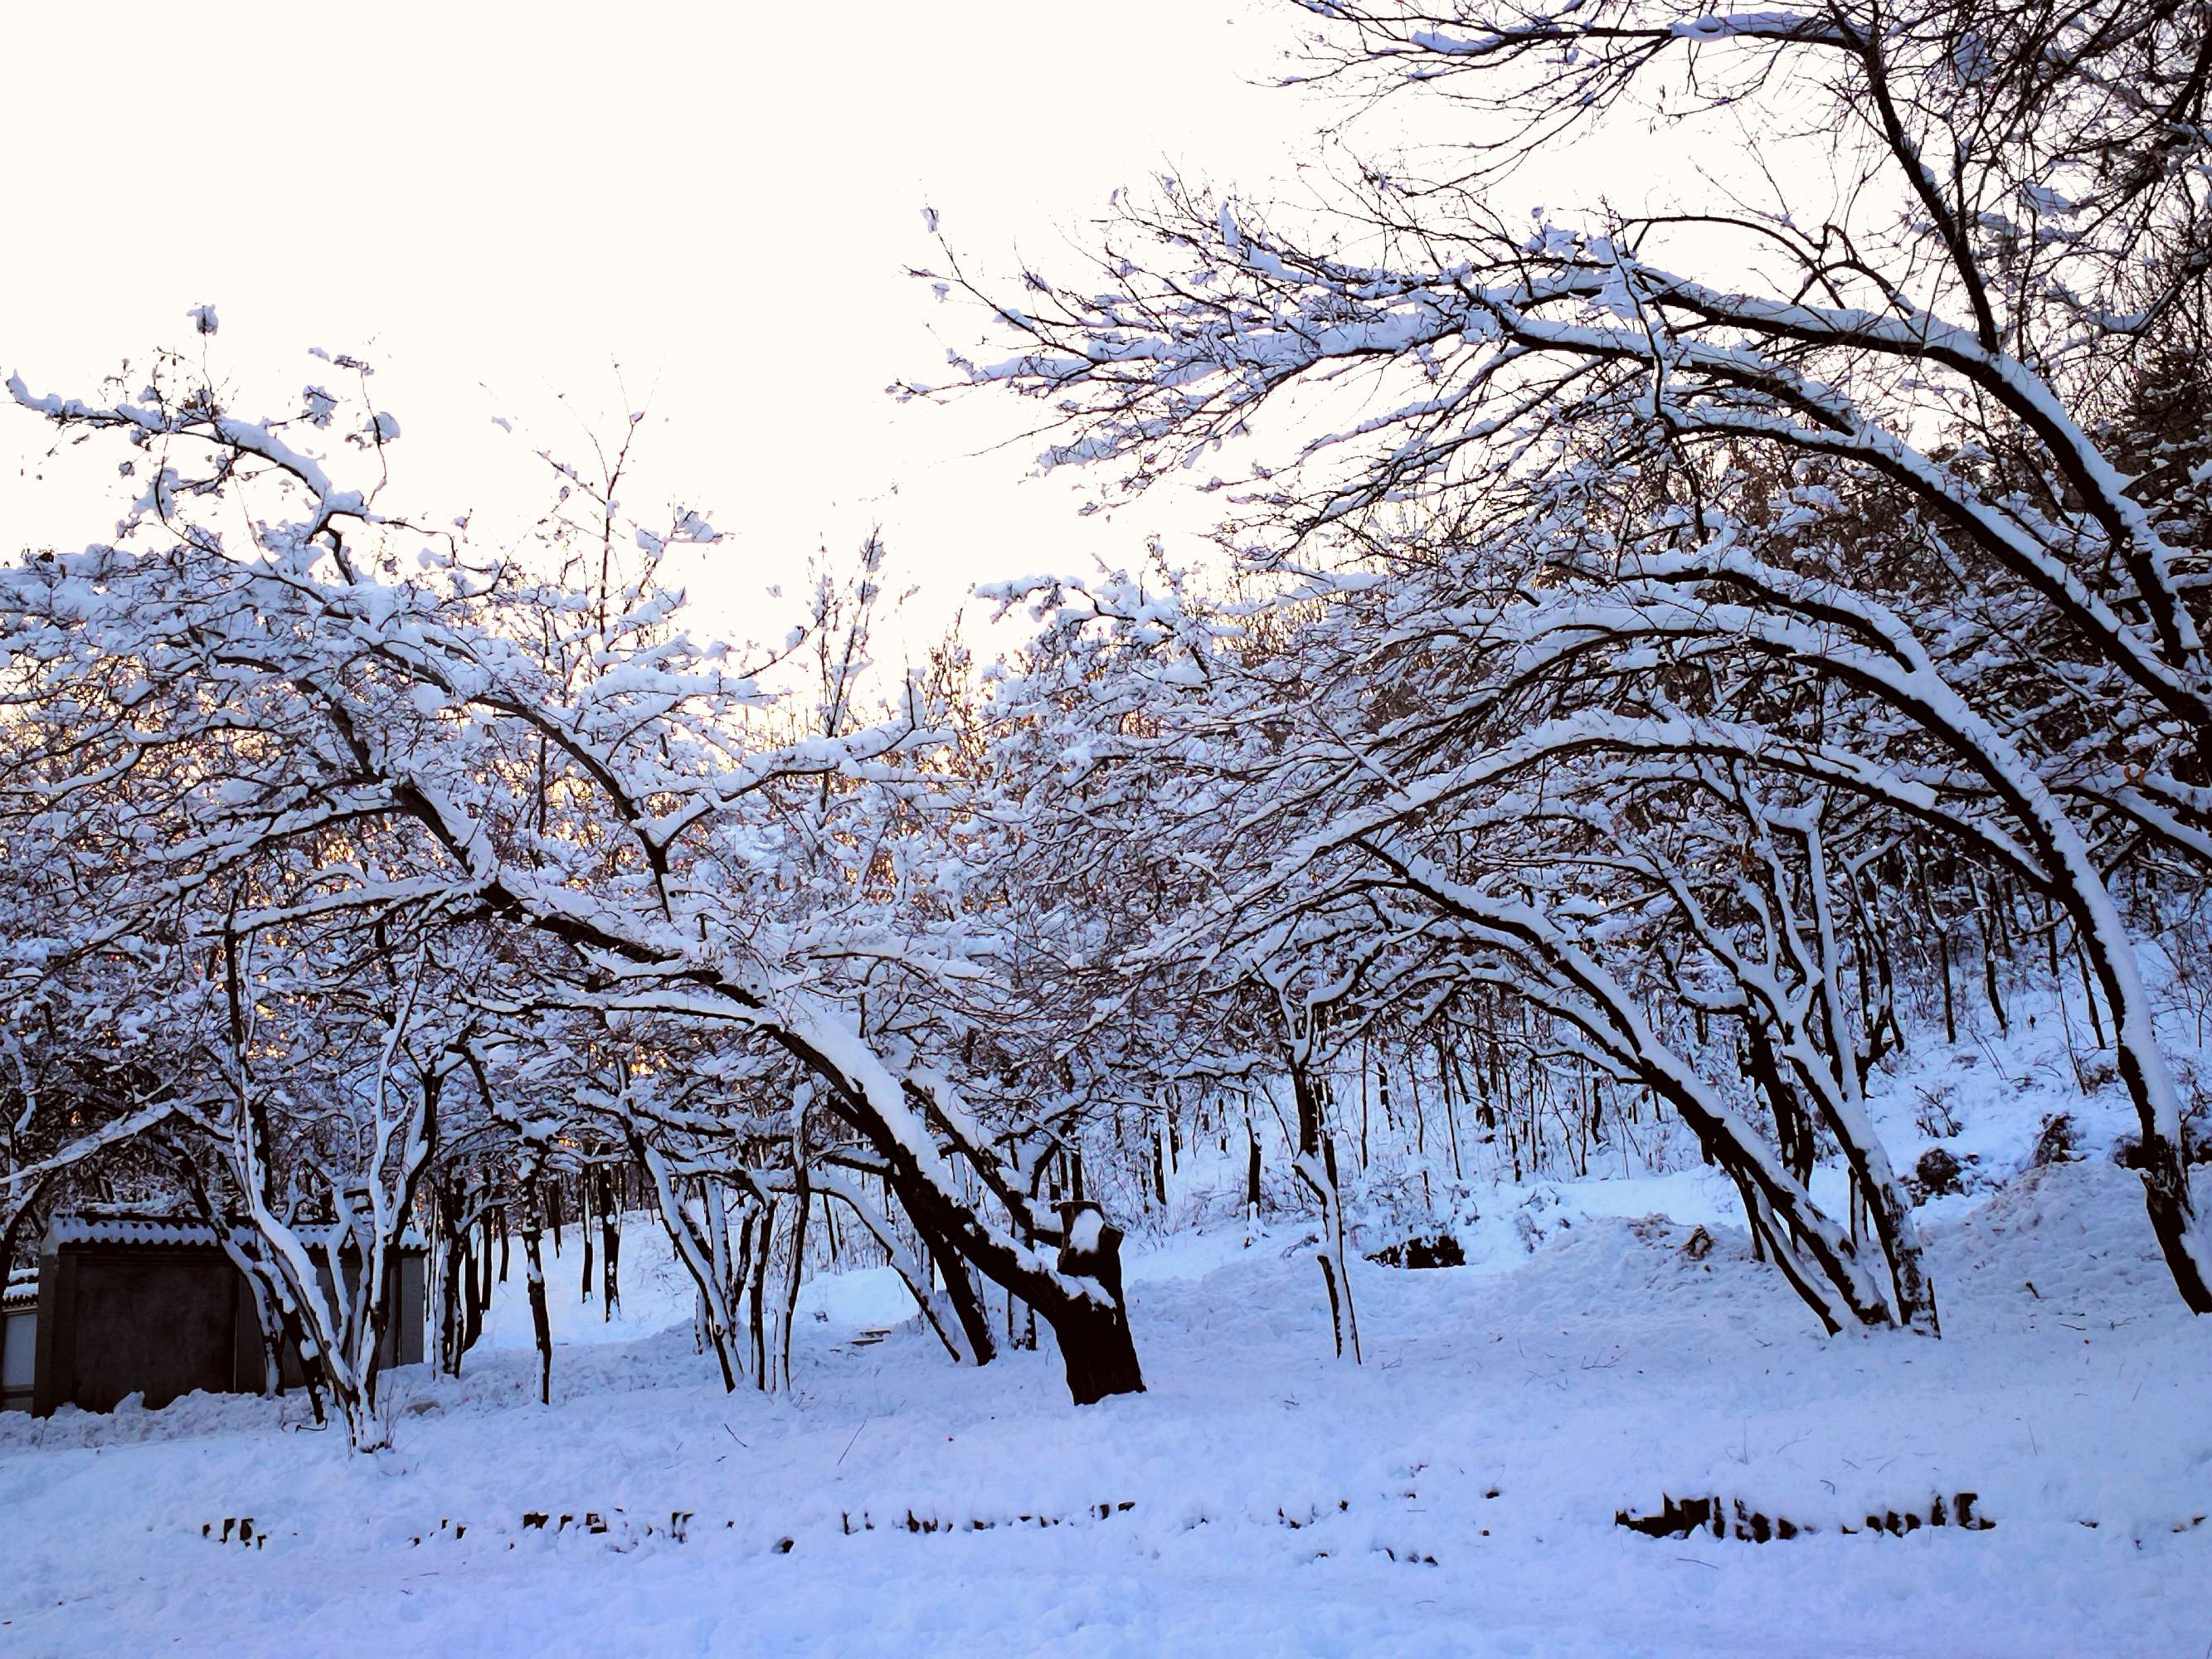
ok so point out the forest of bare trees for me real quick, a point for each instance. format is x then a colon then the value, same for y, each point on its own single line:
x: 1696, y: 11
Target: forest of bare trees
x: 1650, y: 673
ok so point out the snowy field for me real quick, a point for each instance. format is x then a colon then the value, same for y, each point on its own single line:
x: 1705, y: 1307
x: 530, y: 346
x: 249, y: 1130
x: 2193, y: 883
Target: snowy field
x: 1456, y: 1495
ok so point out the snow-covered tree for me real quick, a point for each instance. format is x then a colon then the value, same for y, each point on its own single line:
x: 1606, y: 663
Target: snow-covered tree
x: 347, y: 738
x: 1822, y: 493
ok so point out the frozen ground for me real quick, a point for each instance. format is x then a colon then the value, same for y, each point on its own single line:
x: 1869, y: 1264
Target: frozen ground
x: 1454, y: 1495
x: 1603, y: 1369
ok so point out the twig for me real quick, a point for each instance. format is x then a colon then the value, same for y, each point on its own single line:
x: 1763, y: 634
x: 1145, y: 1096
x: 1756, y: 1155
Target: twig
x: 856, y: 1435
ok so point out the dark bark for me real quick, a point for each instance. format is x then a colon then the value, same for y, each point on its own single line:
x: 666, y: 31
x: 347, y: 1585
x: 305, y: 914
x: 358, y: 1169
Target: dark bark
x: 584, y: 1226
x: 1792, y: 1125
x: 804, y: 1202
x: 756, y: 1295
x: 1095, y: 1348
x: 967, y: 1301
x: 610, y: 1247
x: 541, y: 1322
x: 1317, y: 1166
x: 295, y: 1337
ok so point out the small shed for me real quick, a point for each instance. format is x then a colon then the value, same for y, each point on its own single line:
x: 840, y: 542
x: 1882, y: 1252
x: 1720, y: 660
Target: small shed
x: 156, y: 1307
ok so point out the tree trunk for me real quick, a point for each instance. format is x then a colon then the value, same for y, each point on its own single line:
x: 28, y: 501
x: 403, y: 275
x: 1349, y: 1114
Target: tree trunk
x: 763, y: 1377
x: 541, y: 1322
x: 1095, y: 1348
x: 803, y: 1201
x: 610, y: 1247
x: 1315, y: 1165
x: 584, y: 1226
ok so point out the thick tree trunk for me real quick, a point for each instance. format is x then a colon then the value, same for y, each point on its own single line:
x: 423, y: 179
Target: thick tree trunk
x: 1086, y: 1313
x: 888, y: 1112
x: 1095, y: 1348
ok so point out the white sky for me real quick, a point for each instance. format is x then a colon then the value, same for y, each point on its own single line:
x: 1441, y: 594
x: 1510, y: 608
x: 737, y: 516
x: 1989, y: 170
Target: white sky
x: 495, y: 203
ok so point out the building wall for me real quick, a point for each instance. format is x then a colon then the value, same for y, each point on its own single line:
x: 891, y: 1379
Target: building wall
x: 19, y: 1349
x: 160, y: 1322
x: 168, y: 1319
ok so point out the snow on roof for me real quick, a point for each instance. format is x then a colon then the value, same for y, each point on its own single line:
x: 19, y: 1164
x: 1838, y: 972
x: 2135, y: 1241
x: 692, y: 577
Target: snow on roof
x: 75, y: 1229
x: 125, y: 1230
x: 22, y: 1290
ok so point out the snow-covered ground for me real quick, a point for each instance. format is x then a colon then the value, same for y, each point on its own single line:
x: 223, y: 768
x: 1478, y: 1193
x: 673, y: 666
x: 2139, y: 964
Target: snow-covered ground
x: 1259, y: 1499
x: 1456, y: 1494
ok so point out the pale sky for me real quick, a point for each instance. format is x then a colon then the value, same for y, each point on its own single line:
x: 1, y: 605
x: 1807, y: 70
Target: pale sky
x: 495, y: 203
